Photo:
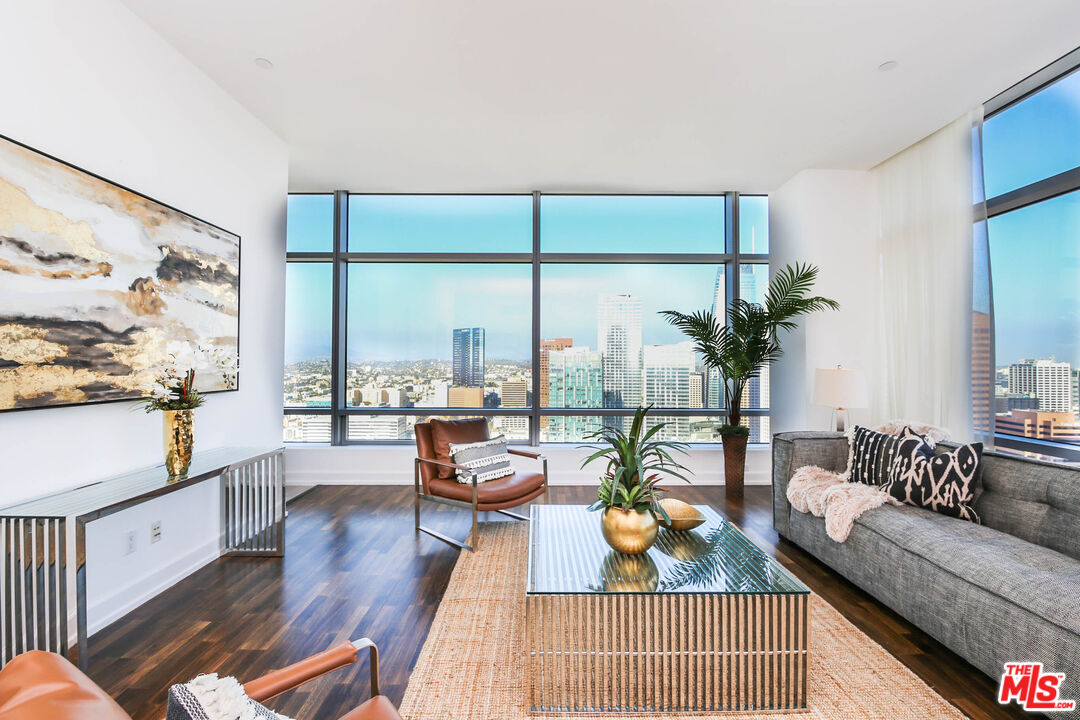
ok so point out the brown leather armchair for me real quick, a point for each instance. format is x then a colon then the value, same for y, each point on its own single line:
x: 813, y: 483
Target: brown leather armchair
x: 39, y: 684
x: 434, y: 476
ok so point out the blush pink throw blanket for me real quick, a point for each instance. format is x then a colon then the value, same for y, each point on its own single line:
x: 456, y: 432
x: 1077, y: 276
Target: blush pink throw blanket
x: 827, y: 494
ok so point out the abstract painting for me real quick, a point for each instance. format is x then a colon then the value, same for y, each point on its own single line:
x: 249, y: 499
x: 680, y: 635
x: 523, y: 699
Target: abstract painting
x: 101, y: 287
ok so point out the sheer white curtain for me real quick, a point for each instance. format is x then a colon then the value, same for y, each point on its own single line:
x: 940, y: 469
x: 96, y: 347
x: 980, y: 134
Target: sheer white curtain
x: 923, y: 342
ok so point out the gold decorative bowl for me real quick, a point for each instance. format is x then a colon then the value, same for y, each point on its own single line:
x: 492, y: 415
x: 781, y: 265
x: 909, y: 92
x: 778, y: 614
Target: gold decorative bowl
x: 683, y: 516
x: 629, y: 531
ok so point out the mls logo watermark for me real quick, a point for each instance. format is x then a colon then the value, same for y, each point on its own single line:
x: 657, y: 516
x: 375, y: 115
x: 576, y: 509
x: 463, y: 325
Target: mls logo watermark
x: 1032, y: 689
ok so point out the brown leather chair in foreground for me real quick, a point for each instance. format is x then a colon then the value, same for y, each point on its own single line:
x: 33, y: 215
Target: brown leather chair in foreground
x: 434, y: 475
x: 39, y: 685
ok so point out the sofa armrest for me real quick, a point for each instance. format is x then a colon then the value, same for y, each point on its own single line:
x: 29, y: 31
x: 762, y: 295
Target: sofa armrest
x: 793, y: 450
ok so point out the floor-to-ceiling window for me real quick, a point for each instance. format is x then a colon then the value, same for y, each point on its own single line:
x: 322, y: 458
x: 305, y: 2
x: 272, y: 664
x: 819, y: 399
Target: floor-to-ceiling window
x: 1031, y: 160
x: 537, y: 311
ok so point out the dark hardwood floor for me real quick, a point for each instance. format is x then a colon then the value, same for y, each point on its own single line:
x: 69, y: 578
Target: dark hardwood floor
x: 353, y: 567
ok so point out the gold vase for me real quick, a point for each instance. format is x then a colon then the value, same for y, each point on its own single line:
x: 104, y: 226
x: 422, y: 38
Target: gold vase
x: 179, y: 426
x: 629, y: 531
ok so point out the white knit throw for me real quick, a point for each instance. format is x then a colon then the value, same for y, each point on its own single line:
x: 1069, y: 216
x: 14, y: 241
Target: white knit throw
x: 223, y: 698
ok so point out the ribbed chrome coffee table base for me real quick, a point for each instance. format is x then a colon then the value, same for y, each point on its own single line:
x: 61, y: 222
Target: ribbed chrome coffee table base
x: 665, y: 653
x: 704, y: 623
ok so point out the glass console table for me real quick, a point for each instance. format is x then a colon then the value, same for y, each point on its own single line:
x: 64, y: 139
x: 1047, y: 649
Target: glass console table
x: 34, y: 541
x: 704, y: 621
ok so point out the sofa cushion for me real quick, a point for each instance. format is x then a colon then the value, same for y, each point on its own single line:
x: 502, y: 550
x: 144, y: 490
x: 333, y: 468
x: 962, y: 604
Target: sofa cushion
x: 1033, y: 500
x: 1044, y: 581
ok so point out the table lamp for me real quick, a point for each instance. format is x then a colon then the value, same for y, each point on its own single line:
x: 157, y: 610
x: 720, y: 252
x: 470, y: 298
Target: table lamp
x: 840, y: 388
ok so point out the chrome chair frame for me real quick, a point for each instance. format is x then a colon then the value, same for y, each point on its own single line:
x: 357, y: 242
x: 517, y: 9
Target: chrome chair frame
x: 419, y: 495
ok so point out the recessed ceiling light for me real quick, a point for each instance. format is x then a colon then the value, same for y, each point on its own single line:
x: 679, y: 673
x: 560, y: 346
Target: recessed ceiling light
x: 888, y: 65
x: 263, y: 63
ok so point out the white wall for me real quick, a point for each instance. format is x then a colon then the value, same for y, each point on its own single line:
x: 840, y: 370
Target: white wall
x: 393, y: 465
x: 828, y: 218
x: 90, y: 83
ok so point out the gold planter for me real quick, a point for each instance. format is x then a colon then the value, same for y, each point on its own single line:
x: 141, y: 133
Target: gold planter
x: 179, y: 426
x: 629, y: 531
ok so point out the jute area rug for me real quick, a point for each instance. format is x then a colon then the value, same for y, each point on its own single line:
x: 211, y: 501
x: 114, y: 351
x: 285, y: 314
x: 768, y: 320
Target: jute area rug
x: 473, y: 666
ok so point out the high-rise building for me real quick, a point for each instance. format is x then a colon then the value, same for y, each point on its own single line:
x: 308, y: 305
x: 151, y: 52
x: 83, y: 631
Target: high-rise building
x: 376, y: 396
x: 514, y: 394
x: 1048, y: 380
x: 618, y: 337
x: 469, y: 357
x: 1055, y: 426
x: 982, y: 371
x: 756, y: 395
x: 465, y: 397
x: 546, y: 346
x: 714, y: 391
x: 377, y: 427
x: 575, y: 380
x: 697, y: 389
x: 665, y: 374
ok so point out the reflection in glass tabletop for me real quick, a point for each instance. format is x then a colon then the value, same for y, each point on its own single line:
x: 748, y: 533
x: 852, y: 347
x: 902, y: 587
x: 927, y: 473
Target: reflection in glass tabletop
x: 568, y: 554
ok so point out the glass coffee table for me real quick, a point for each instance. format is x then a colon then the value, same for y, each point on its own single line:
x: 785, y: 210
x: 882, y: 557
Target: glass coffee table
x: 704, y: 621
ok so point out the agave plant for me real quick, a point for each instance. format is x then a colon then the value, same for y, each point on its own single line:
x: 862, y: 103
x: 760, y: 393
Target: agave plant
x: 751, y: 338
x: 636, y: 462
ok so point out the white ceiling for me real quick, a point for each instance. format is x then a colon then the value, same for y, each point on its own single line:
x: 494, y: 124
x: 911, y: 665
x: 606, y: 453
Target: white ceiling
x: 605, y: 95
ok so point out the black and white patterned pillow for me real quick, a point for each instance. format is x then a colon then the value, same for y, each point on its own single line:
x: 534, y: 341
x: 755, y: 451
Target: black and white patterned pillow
x: 870, y: 453
x: 209, y: 697
x: 488, y: 458
x: 943, y: 483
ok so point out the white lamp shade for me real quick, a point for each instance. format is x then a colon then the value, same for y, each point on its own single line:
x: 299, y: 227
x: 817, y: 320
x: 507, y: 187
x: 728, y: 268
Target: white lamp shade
x: 840, y: 387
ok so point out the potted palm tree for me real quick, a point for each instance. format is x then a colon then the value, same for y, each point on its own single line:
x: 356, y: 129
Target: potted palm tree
x: 739, y: 349
x: 628, y: 492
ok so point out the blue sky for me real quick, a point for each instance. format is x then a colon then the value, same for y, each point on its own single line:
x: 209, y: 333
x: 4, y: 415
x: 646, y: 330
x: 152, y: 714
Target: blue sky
x: 400, y: 311
x: 1035, y: 251
x: 408, y: 310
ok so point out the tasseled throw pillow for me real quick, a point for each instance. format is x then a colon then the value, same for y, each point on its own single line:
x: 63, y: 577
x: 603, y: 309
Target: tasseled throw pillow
x: 209, y: 697
x: 870, y: 453
x: 488, y: 458
x: 943, y: 483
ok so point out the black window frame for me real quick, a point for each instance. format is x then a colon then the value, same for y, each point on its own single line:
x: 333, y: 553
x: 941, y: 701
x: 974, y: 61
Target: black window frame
x: 1026, y: 196
x: 340, y: 257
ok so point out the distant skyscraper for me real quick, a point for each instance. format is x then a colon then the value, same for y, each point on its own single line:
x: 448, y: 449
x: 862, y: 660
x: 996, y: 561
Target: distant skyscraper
x: 748, y: 284
x: 469, y: 357
x: 666, y: 371
x: 546, y: 346
x: 514, y: 394
x: 697, y: 389
x: 618, y: 337
x: 465, y: 397
x: 1047, y: 380
x: 714, y: 393
x: 575, y: 380
x: 377, y: 427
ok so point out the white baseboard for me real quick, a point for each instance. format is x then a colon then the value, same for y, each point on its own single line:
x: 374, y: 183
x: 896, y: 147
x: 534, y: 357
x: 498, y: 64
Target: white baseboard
x: 109, y: 609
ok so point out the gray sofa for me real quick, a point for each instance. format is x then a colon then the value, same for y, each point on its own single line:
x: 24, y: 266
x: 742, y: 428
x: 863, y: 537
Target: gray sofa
x: 1006, y: 590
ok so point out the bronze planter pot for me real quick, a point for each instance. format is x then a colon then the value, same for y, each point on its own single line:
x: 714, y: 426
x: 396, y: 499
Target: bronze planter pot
x: 629, y: 531
x: 734, y: 464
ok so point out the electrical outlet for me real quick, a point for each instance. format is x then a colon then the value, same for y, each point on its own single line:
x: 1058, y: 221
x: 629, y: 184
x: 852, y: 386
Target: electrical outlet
x: 129, y: 542
x: 155, y: 531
